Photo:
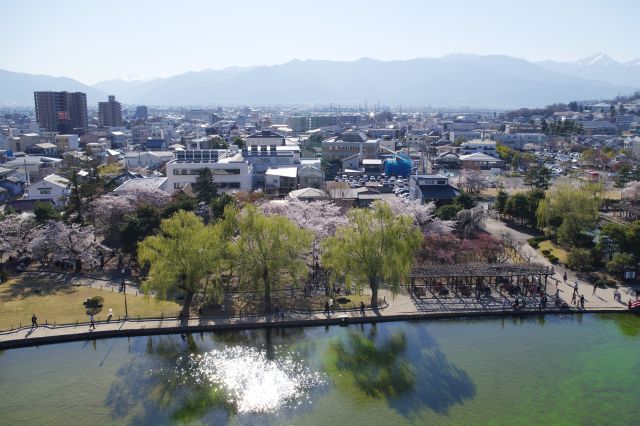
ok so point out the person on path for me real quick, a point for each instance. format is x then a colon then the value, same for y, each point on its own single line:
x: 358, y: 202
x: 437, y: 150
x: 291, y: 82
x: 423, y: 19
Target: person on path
x: 564, y: 277
x: 34, y: 321
x: 362, y: 313
x: 574, y: 298
x: 326, y: 308
x: 575, y: 288
x: 595, y: 287
x: 582, y: 301
x: 93, y: 324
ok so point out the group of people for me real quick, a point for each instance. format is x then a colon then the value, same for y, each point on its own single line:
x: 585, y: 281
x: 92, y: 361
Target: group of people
x: 577, y: 298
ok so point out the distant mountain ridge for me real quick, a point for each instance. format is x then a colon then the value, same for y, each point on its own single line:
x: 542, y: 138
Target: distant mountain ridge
x: 599, y: 67
x: 496, y: 81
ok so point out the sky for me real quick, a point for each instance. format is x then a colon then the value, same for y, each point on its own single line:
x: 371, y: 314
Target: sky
x: 95, y: 40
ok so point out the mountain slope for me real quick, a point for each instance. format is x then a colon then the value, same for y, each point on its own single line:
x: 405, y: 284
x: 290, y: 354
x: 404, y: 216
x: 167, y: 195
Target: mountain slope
x: 599, y: 67
x: 17, y: 88
x: 456, y: 80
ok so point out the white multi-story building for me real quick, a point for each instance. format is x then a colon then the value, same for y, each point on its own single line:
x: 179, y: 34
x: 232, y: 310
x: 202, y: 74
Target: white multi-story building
x: 484, y: 147
x: 231, y: 172
x: 266, y: 138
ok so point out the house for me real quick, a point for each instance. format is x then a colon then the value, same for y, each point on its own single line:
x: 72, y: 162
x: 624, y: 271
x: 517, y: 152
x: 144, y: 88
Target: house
x: 44, y: 148
x: 281, y: 180
x: 141, y: 184
x: 12, y: 182
x: 447, y: 160
x: 310, y: 176
x: 426, y: 188
x: 51, y: 187
x: 308, y: 194
x: 35, y: 166
x: 147, y: 159
x: 348, y: 144
x: 480, y: 161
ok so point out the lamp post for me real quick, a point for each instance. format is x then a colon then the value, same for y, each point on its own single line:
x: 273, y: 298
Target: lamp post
x: 124, y: 291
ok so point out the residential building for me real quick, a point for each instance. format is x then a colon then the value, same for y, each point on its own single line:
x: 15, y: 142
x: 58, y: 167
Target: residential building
x: 51, y: 187
x: 231, y: 172
x: 67, y: 143
x: 281, y: 180
x: 298, y: 124
x: 147, y: 159
x: 265, y: 138
x: 427, y: 188
x: 485, y: 147
x: 34, y: 166
x: 139, y: 183
x: 110, y: 113
x: 348, y: 144
x: 142, y: 113
x: 310, y: 176
x: 481, y: 161
x: 265, y: 157
x: 62, y: 112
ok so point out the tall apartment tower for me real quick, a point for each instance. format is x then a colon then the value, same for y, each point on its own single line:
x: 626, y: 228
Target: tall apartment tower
x: 142, y: 112
x: 64, y: 112
x: 110, y: 113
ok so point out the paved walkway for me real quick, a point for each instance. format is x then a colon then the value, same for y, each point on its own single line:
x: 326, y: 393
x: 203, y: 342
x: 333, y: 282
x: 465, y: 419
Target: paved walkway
x: 603, y: 297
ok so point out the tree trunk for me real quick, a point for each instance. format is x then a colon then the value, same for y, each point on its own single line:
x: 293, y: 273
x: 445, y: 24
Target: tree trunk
x: 267, y: 291
x: 186, y: 305
x: 374, y: 293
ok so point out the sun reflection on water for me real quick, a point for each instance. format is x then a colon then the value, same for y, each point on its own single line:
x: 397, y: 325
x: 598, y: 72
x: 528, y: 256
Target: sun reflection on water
x: 253, y: 383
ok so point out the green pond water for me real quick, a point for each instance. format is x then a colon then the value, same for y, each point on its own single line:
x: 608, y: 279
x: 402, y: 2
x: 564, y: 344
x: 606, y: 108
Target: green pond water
x: 582, y: 370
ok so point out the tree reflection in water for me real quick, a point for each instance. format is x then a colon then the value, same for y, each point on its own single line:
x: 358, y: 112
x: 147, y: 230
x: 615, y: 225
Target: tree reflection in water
x: 175, y: 380
x: 411, y: 379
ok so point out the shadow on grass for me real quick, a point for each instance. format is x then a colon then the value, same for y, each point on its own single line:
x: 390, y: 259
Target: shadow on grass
x: 37, y: 284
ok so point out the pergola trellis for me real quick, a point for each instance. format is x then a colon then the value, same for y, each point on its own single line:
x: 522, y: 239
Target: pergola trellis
x: 479, y: 278
x: 628, y: 210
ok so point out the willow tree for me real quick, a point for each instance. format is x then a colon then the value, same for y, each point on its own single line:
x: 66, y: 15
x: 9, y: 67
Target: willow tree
x: 185, y: 255
x: 569, y: 211
x: 267, y: 249
x: 376, y: 247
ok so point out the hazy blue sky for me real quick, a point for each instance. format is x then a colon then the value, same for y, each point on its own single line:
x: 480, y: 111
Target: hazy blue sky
x: 97, y: 40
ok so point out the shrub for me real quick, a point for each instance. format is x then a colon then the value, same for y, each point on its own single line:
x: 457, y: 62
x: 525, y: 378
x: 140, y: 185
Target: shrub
x: 553, y: 259
x: 580, y: 260
x: 546, y: 252
x: 535, y: 241
x: 4, y: 275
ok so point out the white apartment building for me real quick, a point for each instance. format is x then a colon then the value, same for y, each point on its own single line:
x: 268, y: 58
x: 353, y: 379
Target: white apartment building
x: 231, y: 172
x: 266, y: 138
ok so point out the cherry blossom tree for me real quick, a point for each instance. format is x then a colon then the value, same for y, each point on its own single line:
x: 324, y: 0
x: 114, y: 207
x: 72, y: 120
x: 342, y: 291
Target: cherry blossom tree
x: 59, y: 242
x: 16, y: 234
x: 423, y: 216
x: 470, y: 221
x: 473, y: 181
x: 320, y: 217
x: 631, y: 191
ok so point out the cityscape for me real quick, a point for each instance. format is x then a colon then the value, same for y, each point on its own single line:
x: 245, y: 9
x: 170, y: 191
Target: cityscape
x: 389, y: 231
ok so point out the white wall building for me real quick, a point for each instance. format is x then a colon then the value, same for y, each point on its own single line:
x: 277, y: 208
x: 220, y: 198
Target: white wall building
x: 231, y: 172
x: 143, y: 159
x: 52, y: 187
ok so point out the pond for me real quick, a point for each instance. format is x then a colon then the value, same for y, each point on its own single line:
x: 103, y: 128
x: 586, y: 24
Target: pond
x: 580, y: 369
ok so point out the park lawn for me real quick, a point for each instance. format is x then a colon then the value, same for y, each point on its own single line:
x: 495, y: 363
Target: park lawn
x: 62, y: 303
x: 557, y: 251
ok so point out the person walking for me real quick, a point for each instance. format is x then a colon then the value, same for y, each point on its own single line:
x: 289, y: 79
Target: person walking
x: 595, y: 287
x: 575, y: 288
x: 574, y: 298
x: 582, y: 301
x: 326, y: 308
x: 362, y: 313
x: 564, y: 277
x: 93, y: 324
x: 34, y: 321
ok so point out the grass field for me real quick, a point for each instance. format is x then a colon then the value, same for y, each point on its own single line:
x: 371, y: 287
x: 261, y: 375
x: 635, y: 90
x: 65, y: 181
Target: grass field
x: 59, y: 301
x: 555, y: 250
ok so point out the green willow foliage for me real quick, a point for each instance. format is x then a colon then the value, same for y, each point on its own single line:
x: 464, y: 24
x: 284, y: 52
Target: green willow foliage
x: 376, y: 247
x: 186, y: 255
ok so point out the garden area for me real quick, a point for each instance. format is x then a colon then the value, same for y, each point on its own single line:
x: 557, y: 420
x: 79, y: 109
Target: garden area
x: 57, y: 299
